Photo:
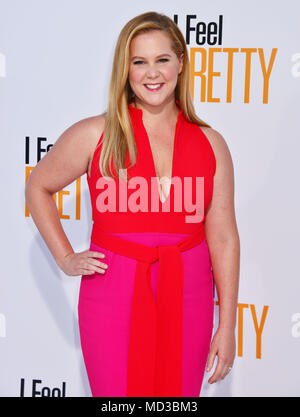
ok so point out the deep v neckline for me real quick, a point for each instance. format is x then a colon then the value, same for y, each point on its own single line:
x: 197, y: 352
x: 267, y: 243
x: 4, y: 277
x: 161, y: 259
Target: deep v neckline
x: 149, y: 150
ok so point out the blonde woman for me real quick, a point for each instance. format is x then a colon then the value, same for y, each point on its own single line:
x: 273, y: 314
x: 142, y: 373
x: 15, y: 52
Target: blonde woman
x: 146, y: 295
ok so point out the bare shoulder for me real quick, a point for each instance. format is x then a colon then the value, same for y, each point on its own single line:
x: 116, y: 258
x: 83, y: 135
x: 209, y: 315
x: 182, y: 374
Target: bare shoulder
x: 219, y: 145
x: 69, y: 157
x: 86, y: 134
x: 215, y: 138
x: 90, y: 130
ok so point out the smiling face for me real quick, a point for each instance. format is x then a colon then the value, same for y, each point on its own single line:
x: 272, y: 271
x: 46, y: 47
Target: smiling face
x: 153, y: 62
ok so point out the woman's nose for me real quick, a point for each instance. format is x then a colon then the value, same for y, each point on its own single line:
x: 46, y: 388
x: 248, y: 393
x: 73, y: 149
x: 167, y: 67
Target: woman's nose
x: 152, y: 71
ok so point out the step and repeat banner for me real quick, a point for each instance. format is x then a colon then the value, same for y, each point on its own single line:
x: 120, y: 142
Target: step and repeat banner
x: 55, y: 66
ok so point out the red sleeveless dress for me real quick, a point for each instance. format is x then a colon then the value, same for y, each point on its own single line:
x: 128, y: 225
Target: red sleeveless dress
x: 146, y: 323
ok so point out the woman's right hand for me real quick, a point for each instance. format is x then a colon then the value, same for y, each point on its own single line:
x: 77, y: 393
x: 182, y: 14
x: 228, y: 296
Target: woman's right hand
x: 83, y: 263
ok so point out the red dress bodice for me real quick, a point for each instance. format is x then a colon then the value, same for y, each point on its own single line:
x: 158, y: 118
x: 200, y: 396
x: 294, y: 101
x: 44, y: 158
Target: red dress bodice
x: 193, y: 157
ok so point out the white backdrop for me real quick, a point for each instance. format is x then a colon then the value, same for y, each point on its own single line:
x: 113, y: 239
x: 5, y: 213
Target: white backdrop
x: 55, y: 64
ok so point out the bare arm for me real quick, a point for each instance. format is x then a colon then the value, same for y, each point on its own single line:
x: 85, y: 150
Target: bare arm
x: 66, y: 161
x: 224, y: 246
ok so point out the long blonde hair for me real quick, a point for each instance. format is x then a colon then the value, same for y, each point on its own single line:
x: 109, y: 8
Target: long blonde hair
x: 118, y: 134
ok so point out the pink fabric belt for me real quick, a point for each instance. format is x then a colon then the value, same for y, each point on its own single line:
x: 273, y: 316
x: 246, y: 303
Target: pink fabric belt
x: 155, y: 337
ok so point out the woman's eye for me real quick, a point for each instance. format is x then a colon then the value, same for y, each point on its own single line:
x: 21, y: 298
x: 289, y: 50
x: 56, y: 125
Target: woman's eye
x: 162, y: 59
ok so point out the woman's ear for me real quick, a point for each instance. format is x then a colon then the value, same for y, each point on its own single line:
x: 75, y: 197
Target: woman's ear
x: 181, y: 63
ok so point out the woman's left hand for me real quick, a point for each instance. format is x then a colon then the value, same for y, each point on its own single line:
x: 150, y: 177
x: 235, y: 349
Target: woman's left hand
x: 223, y: 345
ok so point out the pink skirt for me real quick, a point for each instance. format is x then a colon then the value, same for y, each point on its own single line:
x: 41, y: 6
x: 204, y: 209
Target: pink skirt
x: 104, y: 310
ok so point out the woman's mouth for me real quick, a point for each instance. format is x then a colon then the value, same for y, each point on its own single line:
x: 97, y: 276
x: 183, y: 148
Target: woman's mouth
x: 154, y: 87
